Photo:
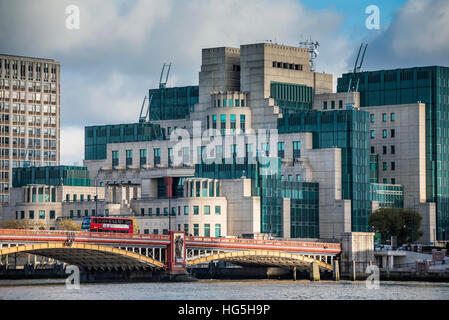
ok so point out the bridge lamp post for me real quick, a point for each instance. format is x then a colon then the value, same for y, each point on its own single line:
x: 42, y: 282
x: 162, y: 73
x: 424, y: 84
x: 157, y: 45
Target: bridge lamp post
x: 169, y: 194
x: 414, y: 209
x: 96, y: 196
x: 333, y: 217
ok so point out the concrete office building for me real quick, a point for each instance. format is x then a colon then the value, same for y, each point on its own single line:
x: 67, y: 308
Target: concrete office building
x: 334, y: 159
x: 240, y: 91
x: 29, y: 115
x: 409, y: 119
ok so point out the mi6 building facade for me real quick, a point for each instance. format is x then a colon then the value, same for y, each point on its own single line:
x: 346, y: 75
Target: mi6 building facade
x: 419, y: 147
x: 264, y: 146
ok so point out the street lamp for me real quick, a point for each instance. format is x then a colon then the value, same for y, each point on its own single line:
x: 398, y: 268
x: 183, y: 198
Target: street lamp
x: 414, y: 209
x: 169, y: 194
x: 333, y: 221
x: 333, y: 217
x: 96, y: 196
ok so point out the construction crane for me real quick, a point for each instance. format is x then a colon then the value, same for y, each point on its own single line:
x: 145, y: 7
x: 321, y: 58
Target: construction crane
x: 163, y: 85
x: 145, y: 112
x: 143, y: 117
x: 357, y: 67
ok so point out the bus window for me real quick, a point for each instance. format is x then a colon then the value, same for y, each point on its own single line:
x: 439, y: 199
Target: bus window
x: 86, y: 224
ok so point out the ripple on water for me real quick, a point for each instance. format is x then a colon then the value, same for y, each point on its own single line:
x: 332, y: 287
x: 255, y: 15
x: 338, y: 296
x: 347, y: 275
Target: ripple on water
x: 227, y: 290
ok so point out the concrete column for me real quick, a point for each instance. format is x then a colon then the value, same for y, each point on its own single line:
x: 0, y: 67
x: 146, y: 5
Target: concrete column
x: 353, y: 270
x: 294, y: 273
x: 384, y: 262
x: 314, y: 272
x: 390, y: 262
x: 114, y: 194
x: 193, y: 188
x: 336, y: 271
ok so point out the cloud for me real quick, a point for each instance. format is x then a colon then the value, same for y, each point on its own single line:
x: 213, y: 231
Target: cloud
x: 72, y: 146
x: 419, y: 35
x: 108, y: 65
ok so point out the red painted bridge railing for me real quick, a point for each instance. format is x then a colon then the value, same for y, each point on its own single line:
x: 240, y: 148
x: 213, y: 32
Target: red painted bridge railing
x: 280, y: 243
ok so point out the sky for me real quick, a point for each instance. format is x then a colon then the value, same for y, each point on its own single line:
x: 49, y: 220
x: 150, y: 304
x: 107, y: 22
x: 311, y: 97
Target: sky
x: 116, y: 55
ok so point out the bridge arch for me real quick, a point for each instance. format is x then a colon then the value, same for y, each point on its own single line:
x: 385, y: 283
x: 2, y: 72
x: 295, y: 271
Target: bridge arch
x: 87, y: 255
x: 263, y: 258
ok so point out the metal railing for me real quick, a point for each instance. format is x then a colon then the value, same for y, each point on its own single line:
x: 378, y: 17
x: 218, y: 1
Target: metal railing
x: 93, y: 235
x: 413, y: 264
x: 317, y: 245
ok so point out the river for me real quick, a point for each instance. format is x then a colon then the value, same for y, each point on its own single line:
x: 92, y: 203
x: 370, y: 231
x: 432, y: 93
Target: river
x: 224, y: 290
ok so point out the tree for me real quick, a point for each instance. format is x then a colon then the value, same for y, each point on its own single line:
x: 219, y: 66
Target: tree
x: 18, y: 224
x: 68, y: 225
x: 136, y: 226
x: 405, y: 224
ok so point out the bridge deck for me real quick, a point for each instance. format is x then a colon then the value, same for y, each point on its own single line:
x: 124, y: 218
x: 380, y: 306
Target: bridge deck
x: 152, y: 240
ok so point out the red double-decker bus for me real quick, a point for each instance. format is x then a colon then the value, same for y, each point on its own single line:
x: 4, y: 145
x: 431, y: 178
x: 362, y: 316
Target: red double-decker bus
x: 106, y: 224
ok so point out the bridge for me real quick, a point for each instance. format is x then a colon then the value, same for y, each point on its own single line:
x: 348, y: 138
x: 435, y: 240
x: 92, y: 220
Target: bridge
x: 175, y: 251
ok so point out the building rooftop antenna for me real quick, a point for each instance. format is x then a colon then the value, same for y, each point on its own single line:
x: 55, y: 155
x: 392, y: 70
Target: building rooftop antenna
x: 312, y: 46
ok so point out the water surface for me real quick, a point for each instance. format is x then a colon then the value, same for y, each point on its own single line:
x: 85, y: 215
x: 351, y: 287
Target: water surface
x: 224, y: 290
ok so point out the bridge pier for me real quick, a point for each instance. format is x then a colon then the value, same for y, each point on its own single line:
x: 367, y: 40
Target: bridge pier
x: 294, y: 273
x: 353, y: 271
x: 336, y: 271
x: 314, y: 272
x: 357, y: 252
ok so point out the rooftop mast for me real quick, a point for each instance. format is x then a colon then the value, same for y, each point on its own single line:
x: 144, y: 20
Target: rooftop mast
x: 312, y: 46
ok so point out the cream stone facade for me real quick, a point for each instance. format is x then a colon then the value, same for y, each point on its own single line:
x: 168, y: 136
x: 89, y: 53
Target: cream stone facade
x: 29, y: 115
x: 398, y: 136
x: 47, y: 204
